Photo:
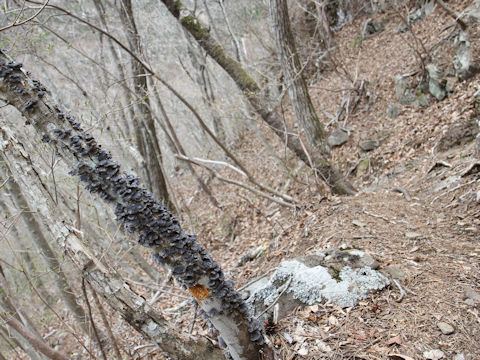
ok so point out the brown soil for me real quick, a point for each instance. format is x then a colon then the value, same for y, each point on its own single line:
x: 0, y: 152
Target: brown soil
x: 441, y: 262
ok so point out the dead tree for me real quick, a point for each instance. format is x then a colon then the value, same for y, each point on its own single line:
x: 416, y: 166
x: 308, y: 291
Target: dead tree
x: 140, y: 213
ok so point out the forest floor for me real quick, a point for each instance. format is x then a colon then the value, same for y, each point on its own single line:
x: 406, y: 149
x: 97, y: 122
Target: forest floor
x: 427, y: 233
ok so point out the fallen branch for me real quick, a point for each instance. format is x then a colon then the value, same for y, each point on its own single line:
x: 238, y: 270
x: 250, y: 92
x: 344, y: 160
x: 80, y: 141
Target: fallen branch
x: 453, y: 14
x: 242, y: 185
x: 402, y: 292
x: 403, y: 191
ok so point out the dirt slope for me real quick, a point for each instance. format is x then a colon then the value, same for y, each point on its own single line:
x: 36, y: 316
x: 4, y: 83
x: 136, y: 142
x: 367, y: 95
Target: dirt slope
x: 428, y: 228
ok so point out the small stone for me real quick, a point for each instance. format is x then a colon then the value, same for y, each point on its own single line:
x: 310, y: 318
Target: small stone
x: 445, y: 328
x: 363, y: 166
x: 460, y: 356
x: 337, y: 138
x: 369, y: 145
x: 393, y: 111
x: 475, y: 296
x: 396, y: 272
x: 358, y: 223
x: 470, y: 302
x: 413, y: 235
x: 433, y: 354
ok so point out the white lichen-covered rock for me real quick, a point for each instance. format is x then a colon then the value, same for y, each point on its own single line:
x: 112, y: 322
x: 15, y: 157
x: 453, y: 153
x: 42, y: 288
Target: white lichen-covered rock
x: 341, y: 276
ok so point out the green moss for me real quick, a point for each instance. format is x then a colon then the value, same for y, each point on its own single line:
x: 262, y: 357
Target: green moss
x: 192, y: 25
x: 335, y: 274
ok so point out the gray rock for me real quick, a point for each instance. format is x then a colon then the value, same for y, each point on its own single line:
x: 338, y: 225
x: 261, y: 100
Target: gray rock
x: 337, y: 138
x: 396, y: 272
x: 465, y: 66
x: 369, y: 144
x: 436, y: 83
x: 475, y: 296
x: 436, y: 354
x: 363, y: 166
x: 460, y: 356
x: 393, y: 111
x: 413, y: 235
x: 445, y: 328
x: 343, y: 276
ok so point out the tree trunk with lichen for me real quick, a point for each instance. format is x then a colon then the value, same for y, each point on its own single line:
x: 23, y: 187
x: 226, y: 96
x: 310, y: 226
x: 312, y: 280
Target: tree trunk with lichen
x: 329, y: 173
x: 156, y: 227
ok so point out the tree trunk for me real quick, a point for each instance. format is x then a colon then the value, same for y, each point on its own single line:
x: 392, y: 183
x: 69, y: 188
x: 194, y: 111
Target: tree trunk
x: 27, y: 264
x: 252, y: 92
x: 155, y: 226
x: 144, y: 126
x: 292, y: 71
x: 48, y: 255
x: 36, y: 342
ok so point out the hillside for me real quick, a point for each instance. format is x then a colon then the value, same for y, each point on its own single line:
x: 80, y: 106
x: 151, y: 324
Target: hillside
x: 417, y: 211
x: 399, y: 97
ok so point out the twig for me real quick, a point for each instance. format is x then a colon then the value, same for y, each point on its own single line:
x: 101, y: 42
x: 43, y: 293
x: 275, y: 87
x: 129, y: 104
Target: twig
x: 402, y: 292
x: 15, y: 23
x: 218, y: 162
x: 453, y: 14
x: 101, y: 310
x: 449, y: 191
x: 194, y: 318
x: 375, y: 215
x: 255, y: 280
x: 89, y: 308
x: 403, y: 191
x: 245, y: 186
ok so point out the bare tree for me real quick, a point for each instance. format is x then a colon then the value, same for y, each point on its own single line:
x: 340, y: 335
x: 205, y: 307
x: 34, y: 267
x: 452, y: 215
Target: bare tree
x: 144, y: 122
x: 48, y: 254
x: 260, y: 104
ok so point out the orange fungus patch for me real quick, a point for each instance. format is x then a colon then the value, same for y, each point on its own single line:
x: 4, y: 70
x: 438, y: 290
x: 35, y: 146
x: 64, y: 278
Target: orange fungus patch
x: 200, y: 292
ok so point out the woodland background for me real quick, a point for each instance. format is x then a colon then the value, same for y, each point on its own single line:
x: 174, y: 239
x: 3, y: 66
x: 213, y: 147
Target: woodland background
x: 399, y: 106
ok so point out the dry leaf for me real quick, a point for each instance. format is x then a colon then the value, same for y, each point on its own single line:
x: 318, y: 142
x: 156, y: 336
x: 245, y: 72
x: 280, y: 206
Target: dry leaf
x: 399, y: 357
x: 395, y: 340
x: 332, y: 320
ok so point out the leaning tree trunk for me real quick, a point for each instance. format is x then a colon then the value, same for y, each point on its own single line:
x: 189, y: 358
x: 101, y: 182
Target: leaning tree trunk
x: 252, y: 92
x: 292, y: 71
x: 102, y: 275
x: 135, y: 207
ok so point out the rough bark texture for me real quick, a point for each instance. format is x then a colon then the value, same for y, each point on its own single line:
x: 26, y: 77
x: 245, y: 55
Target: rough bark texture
x: 48, y: 255
x: 135, y: 207
x: 145, y: 123
x: 292, y: 70
x: 252, y: 91
x: 106, y: 281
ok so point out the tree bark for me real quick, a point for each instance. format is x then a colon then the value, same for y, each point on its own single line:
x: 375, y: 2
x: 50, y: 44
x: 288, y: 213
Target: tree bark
x: 145, y: 124
x: 292, y: 70
x: 252, y: 92
x: 155, y: 226
x: 48, y: 255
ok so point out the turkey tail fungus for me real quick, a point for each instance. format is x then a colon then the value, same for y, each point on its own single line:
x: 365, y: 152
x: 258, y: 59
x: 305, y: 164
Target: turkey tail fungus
x: 221, y: 306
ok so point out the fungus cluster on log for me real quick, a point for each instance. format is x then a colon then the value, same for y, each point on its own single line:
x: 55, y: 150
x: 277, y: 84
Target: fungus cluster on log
x: 221, y: 306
